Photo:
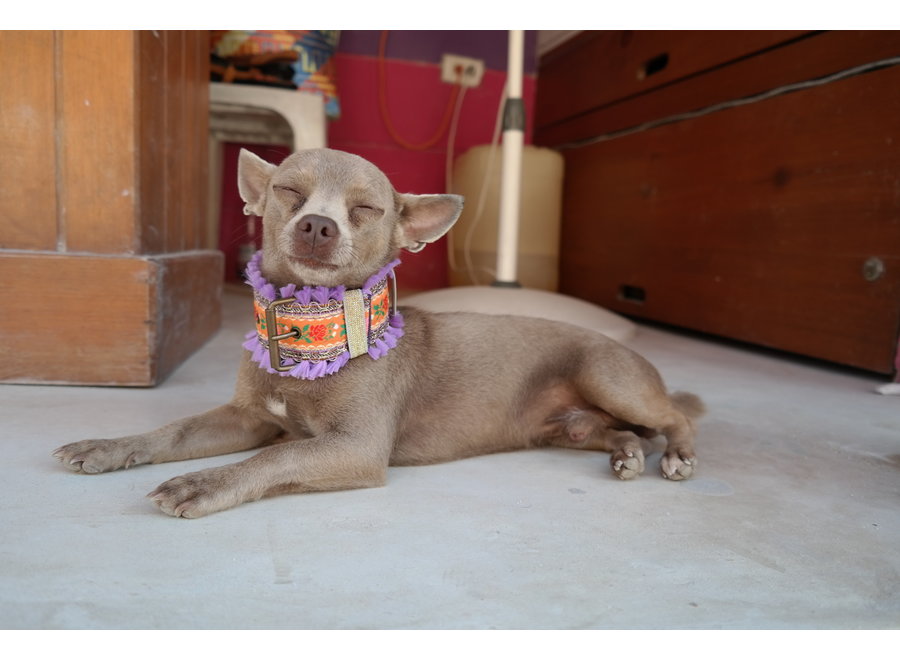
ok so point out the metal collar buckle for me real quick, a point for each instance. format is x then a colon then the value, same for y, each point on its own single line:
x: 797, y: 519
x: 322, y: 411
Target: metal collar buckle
x: 272, y: 340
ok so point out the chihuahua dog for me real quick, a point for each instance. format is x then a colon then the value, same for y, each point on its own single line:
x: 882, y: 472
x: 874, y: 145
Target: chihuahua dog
x: 337, y: 383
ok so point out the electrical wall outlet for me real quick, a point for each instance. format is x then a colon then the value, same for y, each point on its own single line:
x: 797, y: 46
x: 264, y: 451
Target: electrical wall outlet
x: 466, y: 70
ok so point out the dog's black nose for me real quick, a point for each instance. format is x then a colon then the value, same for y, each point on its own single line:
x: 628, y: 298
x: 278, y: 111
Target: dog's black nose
x: 317, y: 230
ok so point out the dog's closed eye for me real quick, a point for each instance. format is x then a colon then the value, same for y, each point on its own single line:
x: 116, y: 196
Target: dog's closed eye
x: 363, y: 212
x: 291, y: 195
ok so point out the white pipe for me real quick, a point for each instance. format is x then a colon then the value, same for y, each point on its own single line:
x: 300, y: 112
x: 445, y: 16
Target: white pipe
x: 511, y: 174
x: 515, y: 63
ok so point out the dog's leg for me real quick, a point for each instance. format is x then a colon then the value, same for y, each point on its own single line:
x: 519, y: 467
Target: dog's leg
x: 335, y: 461
x: 222, y: 430
x: 679, y: 460
x: 643, y: 402
x: 627, y: 459
x: 586, y: 429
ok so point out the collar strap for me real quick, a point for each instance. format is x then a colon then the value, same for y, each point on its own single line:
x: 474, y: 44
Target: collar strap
x: 311, y: 332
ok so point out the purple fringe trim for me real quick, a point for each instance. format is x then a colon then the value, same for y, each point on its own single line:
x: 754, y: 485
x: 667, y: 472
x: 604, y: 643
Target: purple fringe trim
x: 307, y: 294
x: 321, y: 294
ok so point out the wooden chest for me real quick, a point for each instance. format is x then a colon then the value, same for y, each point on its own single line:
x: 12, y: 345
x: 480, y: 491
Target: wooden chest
x: 744, y: 184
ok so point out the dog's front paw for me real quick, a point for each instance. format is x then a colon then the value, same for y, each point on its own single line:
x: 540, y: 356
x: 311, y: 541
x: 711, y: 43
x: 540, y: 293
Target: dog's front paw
x: 95, y: 456
x: 677, y: 466
x: 197, y: 494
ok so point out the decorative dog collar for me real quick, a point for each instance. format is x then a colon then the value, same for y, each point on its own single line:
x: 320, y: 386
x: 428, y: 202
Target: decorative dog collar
x: 313, y: 331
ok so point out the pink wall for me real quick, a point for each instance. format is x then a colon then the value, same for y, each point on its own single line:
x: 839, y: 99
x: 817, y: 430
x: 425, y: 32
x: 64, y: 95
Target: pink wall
x: 417, y: 100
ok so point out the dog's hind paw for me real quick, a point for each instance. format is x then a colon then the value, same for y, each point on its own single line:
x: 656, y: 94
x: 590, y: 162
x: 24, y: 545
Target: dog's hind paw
x: 628, y: 468
x: 677, y: 467
x: 627, y: 462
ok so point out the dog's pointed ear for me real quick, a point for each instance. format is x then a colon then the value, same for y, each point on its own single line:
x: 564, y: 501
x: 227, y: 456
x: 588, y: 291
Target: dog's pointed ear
x: 425, y: 218
x: 253, y: 180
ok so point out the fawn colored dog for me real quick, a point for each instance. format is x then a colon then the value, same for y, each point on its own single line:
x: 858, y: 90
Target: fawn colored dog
x: 337, y: 383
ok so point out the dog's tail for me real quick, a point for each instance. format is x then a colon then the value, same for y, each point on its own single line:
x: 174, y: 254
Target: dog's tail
x: 690, y: 404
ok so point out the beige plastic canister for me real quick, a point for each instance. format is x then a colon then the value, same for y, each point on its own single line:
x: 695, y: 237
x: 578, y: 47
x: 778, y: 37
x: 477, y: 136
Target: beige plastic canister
x: 473, y: 240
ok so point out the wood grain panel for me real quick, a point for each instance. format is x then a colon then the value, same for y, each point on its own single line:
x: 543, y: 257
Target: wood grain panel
x: 97, y: 139
x: 28, y: 211
x: 199, y: 113
x: 188, y: 305
x: 91, y: 333
x: 115, y: 124
x: 599, y: 67
x: 161, y: 309
x: 174, y: 92
x: 188, y: 168
x: 798, y: 61
x: 753, y: 223
x: 151, y: 77
x: 176, y: 133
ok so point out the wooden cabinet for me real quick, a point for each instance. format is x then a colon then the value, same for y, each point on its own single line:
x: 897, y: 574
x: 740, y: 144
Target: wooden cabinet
x: 103, y: 279
x: 771, y: 217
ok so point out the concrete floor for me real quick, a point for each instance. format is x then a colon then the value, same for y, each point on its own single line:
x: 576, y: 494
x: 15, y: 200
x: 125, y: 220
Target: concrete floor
x: 792, y: 522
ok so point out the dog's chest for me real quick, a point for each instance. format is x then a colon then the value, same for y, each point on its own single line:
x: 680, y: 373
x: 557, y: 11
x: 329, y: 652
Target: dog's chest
x: 297, y: 419
x: 299, y: 407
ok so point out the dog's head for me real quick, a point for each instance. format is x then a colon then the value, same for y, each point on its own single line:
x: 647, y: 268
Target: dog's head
x: 332, y: 218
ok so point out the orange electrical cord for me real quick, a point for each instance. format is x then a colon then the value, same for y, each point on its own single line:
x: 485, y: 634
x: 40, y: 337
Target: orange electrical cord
x: 385, y: 115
